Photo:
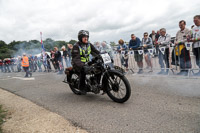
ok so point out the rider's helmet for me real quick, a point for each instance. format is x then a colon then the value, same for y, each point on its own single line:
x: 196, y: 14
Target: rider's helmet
x: 81, y: 34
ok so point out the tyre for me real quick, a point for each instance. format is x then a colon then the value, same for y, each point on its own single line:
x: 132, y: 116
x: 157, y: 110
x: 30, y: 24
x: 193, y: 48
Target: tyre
x: 74, y: 84
x: 117, y: 68
x: 118, y: 87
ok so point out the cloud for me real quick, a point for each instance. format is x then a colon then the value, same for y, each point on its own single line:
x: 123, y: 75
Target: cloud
x: 106, y: 20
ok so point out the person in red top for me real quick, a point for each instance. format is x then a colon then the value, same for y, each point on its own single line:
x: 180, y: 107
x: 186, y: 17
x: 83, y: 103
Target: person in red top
x: 1, y: 65
x: 25, y: 65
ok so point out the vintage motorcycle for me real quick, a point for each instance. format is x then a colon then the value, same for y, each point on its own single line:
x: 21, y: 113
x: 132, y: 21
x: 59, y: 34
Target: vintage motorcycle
x: 109, y: 80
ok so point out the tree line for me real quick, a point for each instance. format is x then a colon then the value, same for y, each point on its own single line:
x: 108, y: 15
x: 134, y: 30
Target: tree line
x: 11, y: 49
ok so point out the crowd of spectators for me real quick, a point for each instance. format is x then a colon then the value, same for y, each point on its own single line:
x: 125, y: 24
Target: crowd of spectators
x: 158, y: 45
x: 41, y: 63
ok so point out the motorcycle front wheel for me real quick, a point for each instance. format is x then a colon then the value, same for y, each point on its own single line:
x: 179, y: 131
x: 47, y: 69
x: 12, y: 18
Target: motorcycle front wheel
x: 118, y: 87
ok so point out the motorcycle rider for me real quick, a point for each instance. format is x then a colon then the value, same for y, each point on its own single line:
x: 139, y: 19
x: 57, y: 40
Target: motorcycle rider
x: 81, y: 55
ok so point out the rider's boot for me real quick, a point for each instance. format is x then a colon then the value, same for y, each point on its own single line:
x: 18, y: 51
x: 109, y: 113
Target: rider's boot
x: 82, y: 89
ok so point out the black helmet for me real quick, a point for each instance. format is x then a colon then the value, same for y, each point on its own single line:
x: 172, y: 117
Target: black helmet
x: 81, y: 34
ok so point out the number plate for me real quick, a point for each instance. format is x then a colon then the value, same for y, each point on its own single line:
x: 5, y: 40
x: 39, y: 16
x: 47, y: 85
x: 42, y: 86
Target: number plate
x: 106, y: 58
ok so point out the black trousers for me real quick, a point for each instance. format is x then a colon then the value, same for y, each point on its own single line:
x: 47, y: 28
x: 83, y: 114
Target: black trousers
x: 26, y: 69
x: 82, y: 77
x: 197, y: 54
x: 57, y: 65
x: 48, y: 65
x: 185, y: 60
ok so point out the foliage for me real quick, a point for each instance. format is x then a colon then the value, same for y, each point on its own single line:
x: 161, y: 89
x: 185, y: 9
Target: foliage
x: 72, y: 42
x: 16, y: 48
x: 113, y: 44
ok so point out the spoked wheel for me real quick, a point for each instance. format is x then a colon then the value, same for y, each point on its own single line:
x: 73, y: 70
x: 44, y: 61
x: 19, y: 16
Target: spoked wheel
x: 118, y: 88
x: 119, y: 69
x: 74, y: 84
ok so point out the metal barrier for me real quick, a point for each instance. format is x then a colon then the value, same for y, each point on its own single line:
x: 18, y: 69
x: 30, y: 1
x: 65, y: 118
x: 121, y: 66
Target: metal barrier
x: 173, y: 69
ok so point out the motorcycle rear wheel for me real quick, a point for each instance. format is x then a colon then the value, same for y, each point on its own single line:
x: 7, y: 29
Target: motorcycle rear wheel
x: 74, y: 84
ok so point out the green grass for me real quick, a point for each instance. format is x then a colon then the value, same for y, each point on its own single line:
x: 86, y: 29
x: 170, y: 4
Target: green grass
x: 2, y: 117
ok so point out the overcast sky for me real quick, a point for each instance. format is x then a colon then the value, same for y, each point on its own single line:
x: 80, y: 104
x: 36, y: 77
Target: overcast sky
x: 108, y: 20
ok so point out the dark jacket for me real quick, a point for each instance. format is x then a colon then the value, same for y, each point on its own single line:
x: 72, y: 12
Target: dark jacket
x: 58, y: 56
x: 134, y: 44
x: 69, y: 52
x: 65, y: 54
x: 76, y: 58
x: 157, y: 36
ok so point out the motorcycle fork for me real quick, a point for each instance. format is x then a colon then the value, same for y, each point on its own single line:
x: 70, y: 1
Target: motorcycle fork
x: 110, y: 80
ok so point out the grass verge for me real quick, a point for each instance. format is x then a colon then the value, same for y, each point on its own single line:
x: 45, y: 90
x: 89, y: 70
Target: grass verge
x: 2, y: 117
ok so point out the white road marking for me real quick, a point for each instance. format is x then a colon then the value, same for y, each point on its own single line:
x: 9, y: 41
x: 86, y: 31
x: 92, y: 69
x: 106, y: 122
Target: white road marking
x: 5, y: 78
x: 32, y: 78
x: 21, y: 78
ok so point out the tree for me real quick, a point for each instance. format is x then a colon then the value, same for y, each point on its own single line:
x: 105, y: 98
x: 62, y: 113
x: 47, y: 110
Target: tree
x: 16, y: 48
x: 3, y: 44
x: 72, y: 42
x: 16, y: 45
x: 59, y: 44
x: 48, y: 44
x: 113, y: 43
x: 5, y: 53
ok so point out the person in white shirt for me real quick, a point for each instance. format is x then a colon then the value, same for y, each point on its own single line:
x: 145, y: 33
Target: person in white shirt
x: 98, y: 46
x: 147, y: 44
x: 106, y: 48
x: 195, y: 37
x: 163, y: 42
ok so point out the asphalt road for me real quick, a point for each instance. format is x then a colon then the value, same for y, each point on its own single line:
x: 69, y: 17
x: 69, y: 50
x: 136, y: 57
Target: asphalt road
x: 157, y: 103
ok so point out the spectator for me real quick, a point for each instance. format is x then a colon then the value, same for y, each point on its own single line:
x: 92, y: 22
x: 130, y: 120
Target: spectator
x: 53, y: 60
x: 164, y: 41
x: 98, y: 46
x: 147, y: 43
x: 122, y: 47
x: 1, y: 65
x: 153, y: 36
x: 106, y: 48
x: 48, y: 62
x: 39, y: 64
x: 69, y: 55
x: 196, y: 41
x: 58, y: 60
x: 35, y: 63
x: 134, y: 44
x: 181, y: 38
x: 157, y: 35
x: 44, y: 61
x: 64, y: 55
x: 155, y: 44
x: 7, y: 65
x: 4, y: 66
x: 19, y: 64
x: 30, y: 63
x: 12, y: 61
